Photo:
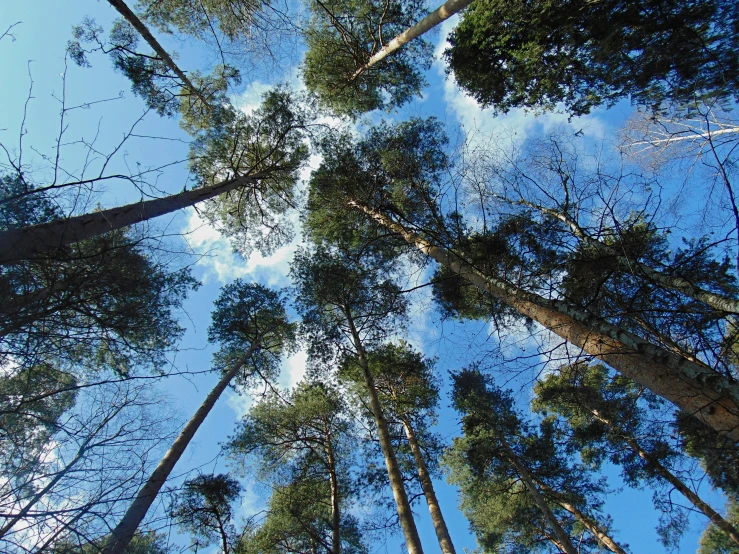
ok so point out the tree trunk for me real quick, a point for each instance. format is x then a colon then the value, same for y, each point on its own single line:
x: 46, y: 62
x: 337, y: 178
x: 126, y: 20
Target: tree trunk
x: 335, y: 513
x: 563, y: 538
x: 123, y: 533
x: 442, y: 13
x: 442, y: 533
x: 405, y: 514
x: 671, y: 478
x: 693, y: 387
x: 137, y: 24
x: 37, y: 240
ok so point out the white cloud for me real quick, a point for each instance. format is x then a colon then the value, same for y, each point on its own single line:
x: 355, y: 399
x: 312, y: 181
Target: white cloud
x: 293, y: 369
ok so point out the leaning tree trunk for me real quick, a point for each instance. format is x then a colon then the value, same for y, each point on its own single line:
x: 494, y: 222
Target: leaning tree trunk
x: 405, y: 514
x: 442, y: 533
x: 137, y: 24
x: 124, y: 531
x: 38, y: 240
x: 563, y: 539
x: 440, y: 14
x: 693, y: 387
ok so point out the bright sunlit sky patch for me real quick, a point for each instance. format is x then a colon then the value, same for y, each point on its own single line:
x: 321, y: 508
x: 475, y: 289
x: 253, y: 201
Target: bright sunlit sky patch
x: 41, y: 38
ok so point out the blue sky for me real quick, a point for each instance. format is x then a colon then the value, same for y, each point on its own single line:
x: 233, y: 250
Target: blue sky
x: 39, y: 47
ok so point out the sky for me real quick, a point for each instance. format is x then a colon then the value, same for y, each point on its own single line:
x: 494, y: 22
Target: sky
x: 34, y: 61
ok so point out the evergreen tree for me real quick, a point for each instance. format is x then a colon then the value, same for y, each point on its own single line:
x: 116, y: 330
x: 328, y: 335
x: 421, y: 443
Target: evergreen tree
x: 536, y: 54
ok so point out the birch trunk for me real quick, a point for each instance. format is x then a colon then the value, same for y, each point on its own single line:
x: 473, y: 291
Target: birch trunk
x: 137, y: 24
x: 36, y: 240
x: 405, y: 514
x: 442, y: 13
x: 693, y: 387
x: 335, y: 513
x: 123, y: 533
x: 442, y: 533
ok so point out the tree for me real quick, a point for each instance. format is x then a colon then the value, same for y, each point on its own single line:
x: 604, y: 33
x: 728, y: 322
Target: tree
x: 203, y: 508
x: 535, y: 55
x: 251, y: 324
x: 507, y: 471
x: 690, y: 385
x: 343, y: 36
x: 73, y: 486
x: 714, y: 540
x: 346, y: 309
x: 259, y: 179
x: 607, y: 421
x: 147, y: 543
x: 302, y: 445
x: 409, y: 394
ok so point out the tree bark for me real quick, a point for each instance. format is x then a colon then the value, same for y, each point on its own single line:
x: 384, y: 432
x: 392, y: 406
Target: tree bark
x: 442, y: 533
x: 693, y: 387
x: 142, y: 29
x: 405, y: 514
x: 564, y: 541
x: 38, y: 240
x: 123, y: 533
x: 442, y: 13
x: 335, y: 513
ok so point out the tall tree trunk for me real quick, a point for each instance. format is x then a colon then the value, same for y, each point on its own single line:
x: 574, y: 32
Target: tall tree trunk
x: 124, y: 531
x: 137, y: 24
x: 693, y: 387
x: 405, y: 514
x: 442, y: 533
x: 671, y: 478
x: 442, y: 13
x: 563, y: 538
x: 673, y: 282
x: 333, y: 481
x: 36, y: 241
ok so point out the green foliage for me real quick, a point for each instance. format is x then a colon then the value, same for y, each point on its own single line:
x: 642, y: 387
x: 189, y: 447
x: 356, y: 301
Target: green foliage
x: 611, y: 418
x: 582, y: 53
x: 204, y: 509
x: 394, y: 168
x: 343, y: 35
x: 334, y: 291
x: 269, y: 143
x: 718, y: 455
x: 714, y: 540
x: 104, y: 303
x: 232, y: 18
x: 245, y: 315
x: 500, y: 508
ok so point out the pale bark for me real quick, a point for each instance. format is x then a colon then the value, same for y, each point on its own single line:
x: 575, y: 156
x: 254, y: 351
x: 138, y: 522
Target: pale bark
x: 38, y: 240
x: 440, y: 14
x: 333, y: 481
x: 442, y: 533
x: 563, y: 538
x: 671, y: 478
x: 123, y: 533
x: 693, y: 387
x: 137, y: 24
x: 405, y: 514
x: 673, y: 282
